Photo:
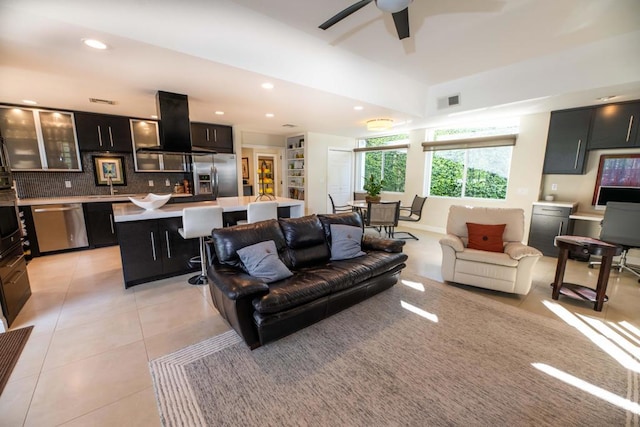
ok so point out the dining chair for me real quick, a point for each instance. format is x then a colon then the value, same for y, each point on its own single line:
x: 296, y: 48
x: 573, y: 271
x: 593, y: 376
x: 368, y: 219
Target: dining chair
x: 383, y: 214
x: 411, y: 213
x: 339, y: 208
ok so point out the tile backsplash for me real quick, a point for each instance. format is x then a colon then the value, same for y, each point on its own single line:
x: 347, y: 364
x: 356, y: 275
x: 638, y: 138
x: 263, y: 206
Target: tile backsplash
x: 52, y: 184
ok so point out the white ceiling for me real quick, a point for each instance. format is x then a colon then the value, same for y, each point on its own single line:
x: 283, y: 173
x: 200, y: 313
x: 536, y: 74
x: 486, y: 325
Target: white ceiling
x: 503, y: 57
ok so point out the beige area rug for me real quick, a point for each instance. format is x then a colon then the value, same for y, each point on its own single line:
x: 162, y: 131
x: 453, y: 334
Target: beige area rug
x: 438, y: 356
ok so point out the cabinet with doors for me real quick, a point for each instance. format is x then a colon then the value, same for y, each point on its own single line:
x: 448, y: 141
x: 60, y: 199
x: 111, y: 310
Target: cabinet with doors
x: 153, y: 249
x: 549, y: 220
x: 616, y: 126
x: 40, y: 139
x: 144, y: 134
x: 101, y: 229
x: 212, y: 136
x: 295, y: 167
x: 101, y: 132
x: 567, y: 139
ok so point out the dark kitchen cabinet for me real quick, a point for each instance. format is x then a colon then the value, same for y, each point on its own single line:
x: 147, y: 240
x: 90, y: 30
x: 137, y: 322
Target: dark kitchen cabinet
x: 101, y: 229
x: 615, y: 126
x: 101, y: 132
x: 215, y: 137
x: 14, y: 283
x: 567, y: 142
x: 547, y: 222
x: 154, y: 249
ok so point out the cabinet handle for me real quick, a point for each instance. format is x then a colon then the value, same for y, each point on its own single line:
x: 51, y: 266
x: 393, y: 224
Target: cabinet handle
x: 100, y: 135
x: 207, y: 134
x: 110, y: 136
x: 215, y: 135
x: 20, y: 273
x: 629, y: 128
x: 111, y: 221
x: 560, y: 228
x: 575, y: 163
x: 166, y: 237
x: 15, y: 262
x: 153, y: 246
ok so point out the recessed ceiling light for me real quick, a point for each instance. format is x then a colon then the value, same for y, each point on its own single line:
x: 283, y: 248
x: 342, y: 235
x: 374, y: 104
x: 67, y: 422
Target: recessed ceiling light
x: 267, y: 85
x: 220, y: 113
x: 28, y: 101
x: 358, y: 108
x: 606, y: 98
x: 154, y: 117
x: 96, y: 44
x: 269, y: 115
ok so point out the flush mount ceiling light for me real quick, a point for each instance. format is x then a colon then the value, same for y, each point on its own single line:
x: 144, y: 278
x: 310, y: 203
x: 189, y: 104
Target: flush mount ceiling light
x: 96, y: 44
x: 392, y: 6
x: 376, y: 125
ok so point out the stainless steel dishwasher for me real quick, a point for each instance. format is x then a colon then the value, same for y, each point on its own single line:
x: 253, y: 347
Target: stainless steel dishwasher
x: 59, y: 226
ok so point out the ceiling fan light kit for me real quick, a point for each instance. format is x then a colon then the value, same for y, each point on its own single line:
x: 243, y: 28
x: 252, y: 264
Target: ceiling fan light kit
x: 392, y: 6
x: 377, y: 125
x: 399, y: 10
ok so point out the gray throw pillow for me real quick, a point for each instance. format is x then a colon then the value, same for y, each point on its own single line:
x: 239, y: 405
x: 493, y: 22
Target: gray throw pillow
x: 261, y: 260
x: 346, y: 241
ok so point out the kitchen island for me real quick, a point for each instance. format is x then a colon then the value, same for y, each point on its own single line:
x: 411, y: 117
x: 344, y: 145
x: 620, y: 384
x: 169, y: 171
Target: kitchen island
x: 151, y: 247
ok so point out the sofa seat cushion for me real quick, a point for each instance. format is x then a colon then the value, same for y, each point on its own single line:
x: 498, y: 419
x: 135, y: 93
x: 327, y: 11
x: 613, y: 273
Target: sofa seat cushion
x: 484, y: 271
x: 298, y: 289
x: 493, y: 258
x: 368, y: 266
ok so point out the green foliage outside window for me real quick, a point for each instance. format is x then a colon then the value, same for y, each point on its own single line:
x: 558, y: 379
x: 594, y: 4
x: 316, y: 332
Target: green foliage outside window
x: 389, y: 165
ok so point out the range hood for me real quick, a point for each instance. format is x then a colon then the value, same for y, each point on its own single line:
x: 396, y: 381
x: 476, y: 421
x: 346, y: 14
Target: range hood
x: 174, y: 126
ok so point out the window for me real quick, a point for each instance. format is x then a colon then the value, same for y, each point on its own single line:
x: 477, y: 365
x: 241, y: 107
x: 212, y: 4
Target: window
x: 383, y: 157
x: 471, y: 162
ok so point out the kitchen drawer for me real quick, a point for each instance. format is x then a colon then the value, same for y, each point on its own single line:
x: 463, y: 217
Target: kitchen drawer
x: 551, y: 210
x: 15, y: 284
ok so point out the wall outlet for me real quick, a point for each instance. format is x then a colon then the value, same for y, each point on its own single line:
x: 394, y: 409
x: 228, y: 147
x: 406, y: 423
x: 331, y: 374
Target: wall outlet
x: 150, y: 183
x: 67, y: 184
x: 167, y: 183
x: 554, y: 187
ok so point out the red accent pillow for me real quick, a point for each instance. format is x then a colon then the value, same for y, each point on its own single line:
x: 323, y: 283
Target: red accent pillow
x: 486, y: 237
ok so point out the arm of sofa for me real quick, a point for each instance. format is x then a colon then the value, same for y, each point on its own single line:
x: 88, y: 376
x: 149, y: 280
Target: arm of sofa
x: 452, y: 241
x: 235, y: 284
x: 517, y: 250
x: 372, y: 243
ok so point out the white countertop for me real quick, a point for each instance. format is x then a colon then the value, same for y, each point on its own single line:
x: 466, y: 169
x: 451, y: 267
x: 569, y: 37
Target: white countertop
x: 87, y: 199
x: 557, y: 203
x: 123, y: 212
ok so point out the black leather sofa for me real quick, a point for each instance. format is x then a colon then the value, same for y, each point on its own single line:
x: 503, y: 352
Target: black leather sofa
x: 261, y: 312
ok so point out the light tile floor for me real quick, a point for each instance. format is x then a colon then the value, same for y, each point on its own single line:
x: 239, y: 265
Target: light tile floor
x: 86, y: 362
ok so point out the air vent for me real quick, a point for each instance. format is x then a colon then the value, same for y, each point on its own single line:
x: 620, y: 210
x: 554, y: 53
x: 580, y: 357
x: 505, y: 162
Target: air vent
x: 448, y: 101
x: 102, y: 101
x: 289, y: 125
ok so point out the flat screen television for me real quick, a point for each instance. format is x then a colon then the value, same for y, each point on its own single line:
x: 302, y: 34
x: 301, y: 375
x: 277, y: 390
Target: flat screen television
x: 618, y: 180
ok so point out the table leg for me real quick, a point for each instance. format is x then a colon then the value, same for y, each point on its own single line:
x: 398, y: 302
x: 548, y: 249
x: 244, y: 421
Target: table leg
x: 603, y: 280
x: 563, y: 255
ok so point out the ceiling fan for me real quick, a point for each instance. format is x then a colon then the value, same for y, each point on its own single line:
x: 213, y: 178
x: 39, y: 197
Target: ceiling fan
x: 398, y: 8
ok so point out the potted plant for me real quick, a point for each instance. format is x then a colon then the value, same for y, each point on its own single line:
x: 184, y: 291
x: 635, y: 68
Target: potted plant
x: 373, y: 187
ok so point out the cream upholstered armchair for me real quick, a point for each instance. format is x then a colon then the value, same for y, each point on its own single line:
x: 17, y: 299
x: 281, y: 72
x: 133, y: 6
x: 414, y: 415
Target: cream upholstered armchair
x: 509, y: 270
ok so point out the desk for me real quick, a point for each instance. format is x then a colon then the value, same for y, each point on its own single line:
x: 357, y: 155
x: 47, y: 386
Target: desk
x: 586, y: 216
x: 593, y: 247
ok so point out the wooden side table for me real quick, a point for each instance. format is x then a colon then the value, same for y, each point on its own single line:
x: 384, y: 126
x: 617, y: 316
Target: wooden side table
x: 594, y: 247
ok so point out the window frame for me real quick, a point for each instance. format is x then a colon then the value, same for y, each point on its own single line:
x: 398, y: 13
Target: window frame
x: 393, y: 145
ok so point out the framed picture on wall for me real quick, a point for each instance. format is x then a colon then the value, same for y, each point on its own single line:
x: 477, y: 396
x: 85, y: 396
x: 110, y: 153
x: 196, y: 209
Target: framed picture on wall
x: 109, y: 168
x: 245, y: 168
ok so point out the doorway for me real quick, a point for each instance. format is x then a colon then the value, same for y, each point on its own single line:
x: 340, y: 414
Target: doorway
x: 266, y: 180
x: 339, y: 176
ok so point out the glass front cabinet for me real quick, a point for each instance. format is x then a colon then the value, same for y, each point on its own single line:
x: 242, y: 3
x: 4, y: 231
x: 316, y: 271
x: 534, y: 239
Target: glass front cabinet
x: 40, y: 139
x: 145, y: 135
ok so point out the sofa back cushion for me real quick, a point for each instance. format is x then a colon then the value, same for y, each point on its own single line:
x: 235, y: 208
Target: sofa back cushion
x: 305, y: 241
x: 344, y: 218
x: 513, y: 218
x: 227, y: 241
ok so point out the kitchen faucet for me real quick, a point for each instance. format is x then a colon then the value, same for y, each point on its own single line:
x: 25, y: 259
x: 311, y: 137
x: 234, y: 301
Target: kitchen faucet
x: 110, y: 182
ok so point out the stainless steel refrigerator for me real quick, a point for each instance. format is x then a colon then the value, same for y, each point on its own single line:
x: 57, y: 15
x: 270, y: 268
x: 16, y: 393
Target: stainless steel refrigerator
x: 215, y: 174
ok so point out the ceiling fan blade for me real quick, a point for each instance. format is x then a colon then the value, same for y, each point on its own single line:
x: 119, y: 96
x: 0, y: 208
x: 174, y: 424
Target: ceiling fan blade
x: 348, y: 11
x: 401, y: 19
